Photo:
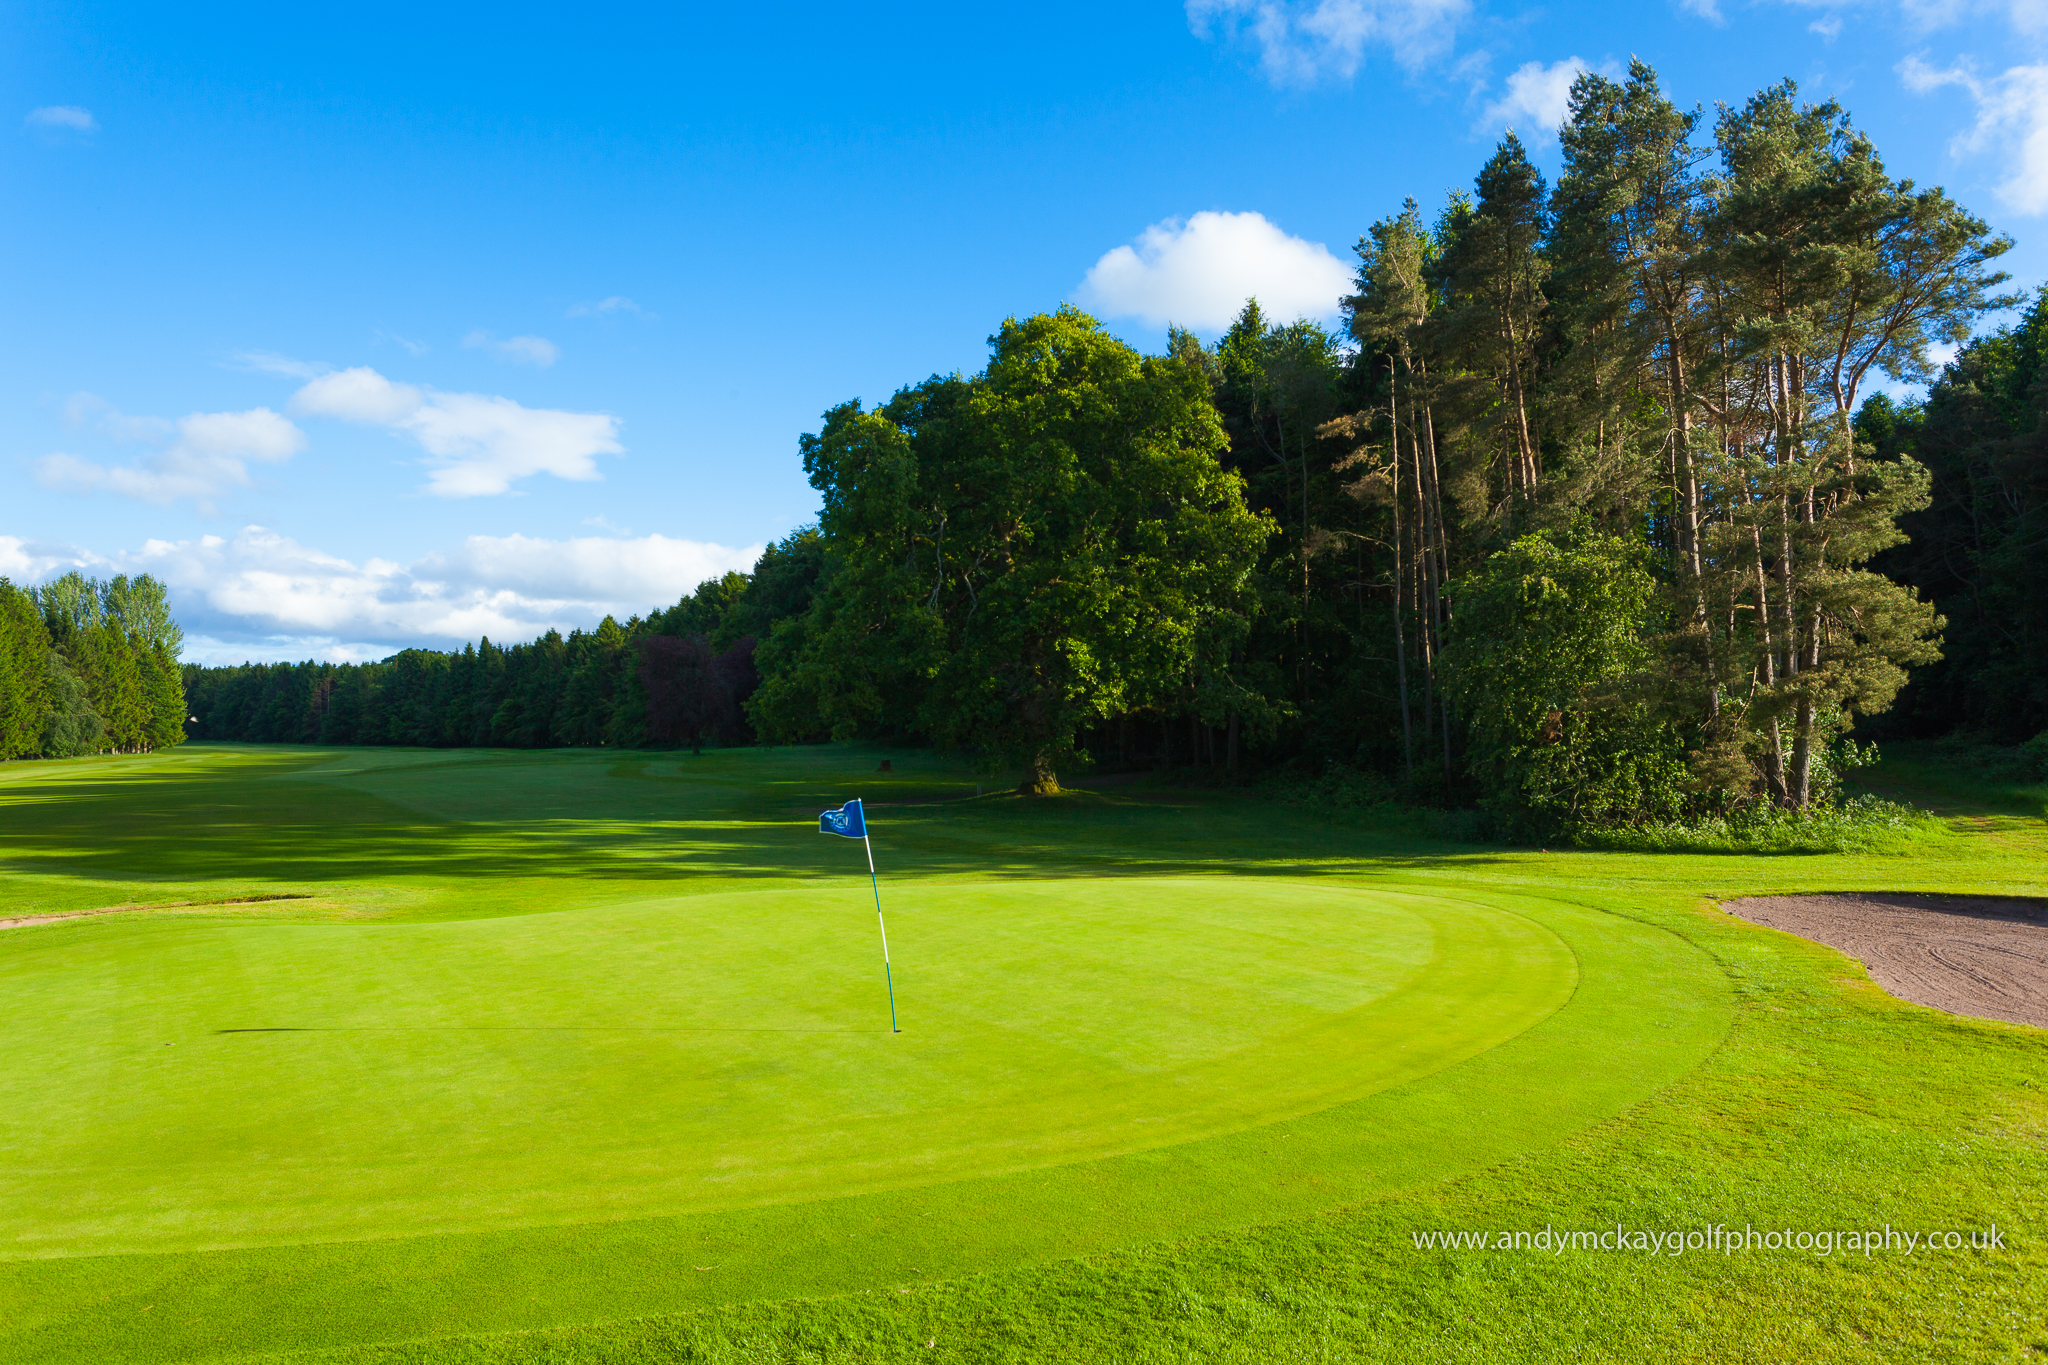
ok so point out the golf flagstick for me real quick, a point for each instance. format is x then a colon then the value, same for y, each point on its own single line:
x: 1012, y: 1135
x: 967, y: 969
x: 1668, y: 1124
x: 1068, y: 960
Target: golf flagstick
x: 887, y: 975
x: 851, y: 822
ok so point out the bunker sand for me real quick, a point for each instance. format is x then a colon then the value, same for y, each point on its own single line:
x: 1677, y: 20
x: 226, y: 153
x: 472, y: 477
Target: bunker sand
x: 1982, y: 956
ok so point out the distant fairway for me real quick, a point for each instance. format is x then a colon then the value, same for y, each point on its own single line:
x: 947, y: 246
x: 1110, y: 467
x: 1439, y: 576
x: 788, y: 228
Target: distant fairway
x: 563, y: 1038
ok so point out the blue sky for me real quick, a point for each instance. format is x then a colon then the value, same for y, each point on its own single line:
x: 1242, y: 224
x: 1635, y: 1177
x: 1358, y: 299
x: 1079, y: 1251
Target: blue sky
x: 399, y: 325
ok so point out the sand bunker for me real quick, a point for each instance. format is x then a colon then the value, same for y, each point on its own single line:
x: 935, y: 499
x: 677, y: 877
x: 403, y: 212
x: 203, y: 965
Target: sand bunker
x: 1977, y: 955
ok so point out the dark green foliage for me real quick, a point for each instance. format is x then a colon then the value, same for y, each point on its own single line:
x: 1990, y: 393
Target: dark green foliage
x: 585, y: 690
x: 1979, y: 550
x: 1547, y: 659
x: 71, y: 727
x: 1023, y: 555
x: 24, y: 668
x: 692, y: 691
x: 1261, y: 554
x: 87, y: 667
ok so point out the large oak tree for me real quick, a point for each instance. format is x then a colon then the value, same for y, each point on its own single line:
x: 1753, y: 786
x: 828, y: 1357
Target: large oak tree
x: 1021, y: 554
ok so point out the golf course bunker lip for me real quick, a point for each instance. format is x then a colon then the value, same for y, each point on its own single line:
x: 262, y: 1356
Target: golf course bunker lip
x: 56, y: 916
x: 1982, y: 956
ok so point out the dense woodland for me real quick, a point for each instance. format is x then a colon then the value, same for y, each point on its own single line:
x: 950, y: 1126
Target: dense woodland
x: 88, y: 668
x: 1589, y: 513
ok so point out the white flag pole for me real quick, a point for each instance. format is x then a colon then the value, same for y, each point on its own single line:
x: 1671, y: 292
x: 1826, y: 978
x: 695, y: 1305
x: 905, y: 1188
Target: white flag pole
x: 887, y: 975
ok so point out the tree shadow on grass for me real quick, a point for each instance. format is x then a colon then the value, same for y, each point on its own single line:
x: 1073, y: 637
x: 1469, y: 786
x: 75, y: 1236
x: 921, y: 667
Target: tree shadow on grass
x: 275, y: 818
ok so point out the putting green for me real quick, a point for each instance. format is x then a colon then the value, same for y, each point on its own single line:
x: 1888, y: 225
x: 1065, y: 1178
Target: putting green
x: 560, y: 1038
x: 188, y: 1084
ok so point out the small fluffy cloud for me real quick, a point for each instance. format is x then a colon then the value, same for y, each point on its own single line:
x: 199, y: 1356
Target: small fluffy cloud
x: 2012, y: 118
x: 483, y: 444
x: 1199, y: 273
x: 208, y: 454
x: 1304, y: 41
x: 1537, y: 100
x: 477, y: 445
x: 617, y: 303
x: 69, y: 117
x: 536, y: 351
x: 359, y: 394
x: 261, y: 594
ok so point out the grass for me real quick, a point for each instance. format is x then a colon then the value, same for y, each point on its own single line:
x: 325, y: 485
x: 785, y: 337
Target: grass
x: 1860, y: 824
x: 1183, y: 1075
x: 1965, y: 773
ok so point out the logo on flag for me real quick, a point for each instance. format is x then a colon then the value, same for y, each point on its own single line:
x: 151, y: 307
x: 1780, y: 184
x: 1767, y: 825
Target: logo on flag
x: 847, y: 821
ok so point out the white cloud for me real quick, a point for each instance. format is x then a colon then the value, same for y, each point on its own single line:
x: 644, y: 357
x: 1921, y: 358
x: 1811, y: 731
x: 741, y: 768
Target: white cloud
x: 31, y: 561
x: 359, y: 394
x: 209, y: 454
x: 1199, y: 273
x: 1303, y: 41
x: 2012, y: 117
x: 264, y: 595
x: 1538, y: 99
x: 411, y: 346
x: 270, y: 362
x: 617, y: 303
x: 1709, y: 10
x: 89, y: 409
x: 214, y: 650
x: 536, y: 351
x: 483, y: 444
x: 1829, y: 28
x: 629, y: 574
x: 477, y: 445
x: 66, y: 116
x: 1932, y: 14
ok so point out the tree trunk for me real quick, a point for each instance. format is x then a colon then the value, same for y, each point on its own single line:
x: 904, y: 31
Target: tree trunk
x: 1434, y: 492
x: 1043, y: 780
x: 1400, y: 645
x: 1801, y: 783
x: 1446, y: 699
x: 1425, y: 587
x: 1774, y: 763
x: 1304, y: 517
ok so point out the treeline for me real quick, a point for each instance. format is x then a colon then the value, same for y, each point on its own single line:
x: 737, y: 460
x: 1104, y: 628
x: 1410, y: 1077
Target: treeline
x: 676, y: 676
x: 1582, y: 514
x: 1979, y: 550
x: 88, y: 667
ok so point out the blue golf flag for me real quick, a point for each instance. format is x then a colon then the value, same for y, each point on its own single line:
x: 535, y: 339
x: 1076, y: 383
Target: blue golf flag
x: 847, y: 820
x: 850, y: 823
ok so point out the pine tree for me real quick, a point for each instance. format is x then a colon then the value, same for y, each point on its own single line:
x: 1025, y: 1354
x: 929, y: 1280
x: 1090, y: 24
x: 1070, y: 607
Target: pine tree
x: 24, y: 674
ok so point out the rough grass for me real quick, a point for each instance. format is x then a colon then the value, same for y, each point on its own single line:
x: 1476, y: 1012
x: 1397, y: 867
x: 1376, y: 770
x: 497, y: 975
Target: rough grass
x: 1826, y: 1103
x: 1968, y: 772
x: 1859, y: 824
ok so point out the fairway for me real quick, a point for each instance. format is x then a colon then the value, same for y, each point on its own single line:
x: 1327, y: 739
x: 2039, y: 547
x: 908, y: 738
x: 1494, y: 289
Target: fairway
x: 524, y: 1042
